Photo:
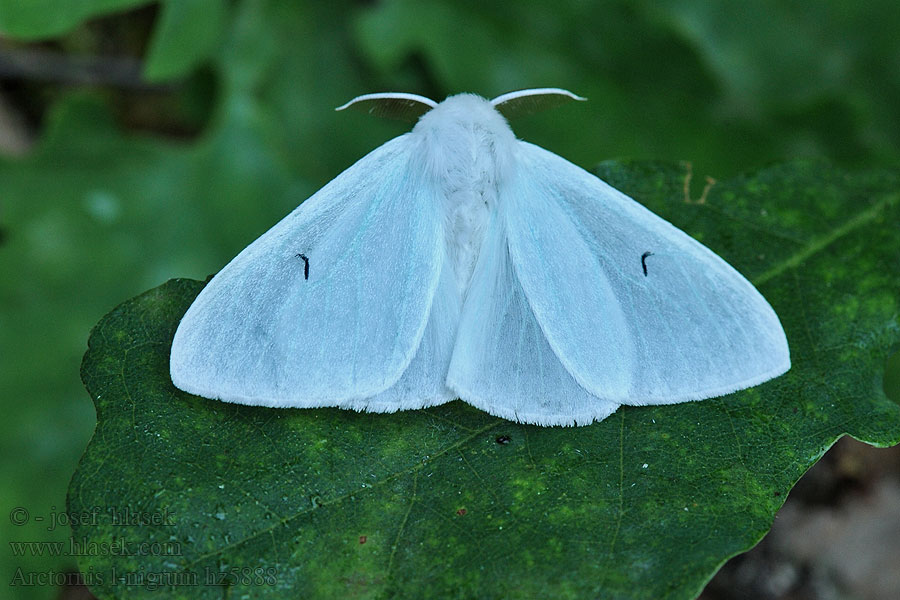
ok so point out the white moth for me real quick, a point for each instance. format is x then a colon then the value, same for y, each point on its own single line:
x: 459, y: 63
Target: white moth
x: 456, y: 261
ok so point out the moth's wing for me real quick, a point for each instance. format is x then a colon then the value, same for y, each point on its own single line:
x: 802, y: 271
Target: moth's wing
x: 422, y: 383
x: 691, y: 328
x: 502, y: 362
x: 263, y: 333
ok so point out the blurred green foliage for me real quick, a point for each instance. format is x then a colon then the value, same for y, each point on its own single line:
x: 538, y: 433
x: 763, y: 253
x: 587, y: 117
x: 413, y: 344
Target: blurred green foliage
x: 187, y: 34
x: 42, y: 19
x: 98, y: 212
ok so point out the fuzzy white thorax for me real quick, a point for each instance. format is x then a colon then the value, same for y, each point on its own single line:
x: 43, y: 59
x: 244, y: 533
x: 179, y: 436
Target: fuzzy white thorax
x: 468, y: 147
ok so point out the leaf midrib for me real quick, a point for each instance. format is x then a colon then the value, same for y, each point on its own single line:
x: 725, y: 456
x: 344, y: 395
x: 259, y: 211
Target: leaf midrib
x: 337, y: 499
x: 818, y: 244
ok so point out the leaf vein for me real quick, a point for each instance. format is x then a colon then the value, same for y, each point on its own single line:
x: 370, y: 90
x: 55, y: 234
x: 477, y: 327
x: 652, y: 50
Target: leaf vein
x: 817, y: 245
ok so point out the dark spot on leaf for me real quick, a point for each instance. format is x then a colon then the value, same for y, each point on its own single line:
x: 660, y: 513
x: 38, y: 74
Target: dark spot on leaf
x: 503, y: 439
x: 3, y: 235
x: 777, y: 494
x: 362, y: 539
x: 461, y: 511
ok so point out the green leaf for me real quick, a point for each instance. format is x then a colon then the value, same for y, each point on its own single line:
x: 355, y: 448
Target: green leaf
x: 37, y: 19
x: 187, y: 34
x: 328, y: 503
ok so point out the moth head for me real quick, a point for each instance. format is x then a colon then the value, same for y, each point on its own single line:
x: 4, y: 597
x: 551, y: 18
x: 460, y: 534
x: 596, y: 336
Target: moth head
x: 461, y: 116
x: 410, y: 107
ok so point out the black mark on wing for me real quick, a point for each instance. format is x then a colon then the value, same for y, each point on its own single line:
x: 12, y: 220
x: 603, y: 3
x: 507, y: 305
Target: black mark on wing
x: 644, y: 261
x: 305, y: 265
